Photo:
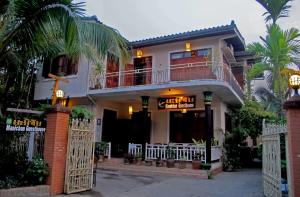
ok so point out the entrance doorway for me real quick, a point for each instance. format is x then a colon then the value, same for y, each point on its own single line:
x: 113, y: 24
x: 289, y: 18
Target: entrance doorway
x: 110, y: 133
x: 185, y: 126
x: 120, y: 132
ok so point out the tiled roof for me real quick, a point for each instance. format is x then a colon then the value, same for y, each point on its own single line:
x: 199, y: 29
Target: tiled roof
x: 201, y: 33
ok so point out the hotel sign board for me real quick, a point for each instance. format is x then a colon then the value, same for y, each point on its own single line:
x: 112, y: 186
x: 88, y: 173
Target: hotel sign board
x: 181, y: 102
x: 25, y: 125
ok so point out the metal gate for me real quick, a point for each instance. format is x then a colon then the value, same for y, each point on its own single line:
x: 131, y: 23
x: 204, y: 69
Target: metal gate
x: 272, y: 158
x: 79, y: 166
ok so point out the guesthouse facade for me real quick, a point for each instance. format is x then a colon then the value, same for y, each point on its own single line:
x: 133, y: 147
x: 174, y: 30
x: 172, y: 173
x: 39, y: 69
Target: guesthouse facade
x: 158, y: 96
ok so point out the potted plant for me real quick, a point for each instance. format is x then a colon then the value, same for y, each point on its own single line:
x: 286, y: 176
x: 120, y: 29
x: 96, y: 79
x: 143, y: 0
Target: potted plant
x: 99, y: 152
x: 196, y: 161
x: 148, y: 162
x: 159, y: 162
x: 196, y: 158
x: 138, y: 159
x: 128, y: 158
x: 182, y: 162
x: 170, y: 153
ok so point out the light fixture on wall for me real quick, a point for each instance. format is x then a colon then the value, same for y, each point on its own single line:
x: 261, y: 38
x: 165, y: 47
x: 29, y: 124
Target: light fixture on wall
x: 188, y: 46
x: 184, y: 111
x: 207, y: 97
x: 294, y: 83
x: 60, y: 94
x: 139, y: 53
x: 130, y: 110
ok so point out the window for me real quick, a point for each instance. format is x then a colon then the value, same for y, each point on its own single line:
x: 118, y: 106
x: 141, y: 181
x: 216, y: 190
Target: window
x: 206, y: 54
x: 61, y: 66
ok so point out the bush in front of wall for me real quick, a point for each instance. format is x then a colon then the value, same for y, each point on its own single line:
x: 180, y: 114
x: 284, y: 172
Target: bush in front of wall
x: 80, y: 112
x: 37, y: 171
x: 13, y: 165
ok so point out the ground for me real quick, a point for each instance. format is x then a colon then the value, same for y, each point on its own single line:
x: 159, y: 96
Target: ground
x: 244, y: 183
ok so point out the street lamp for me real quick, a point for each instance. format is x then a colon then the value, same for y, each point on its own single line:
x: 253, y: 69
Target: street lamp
x: 294, y: 83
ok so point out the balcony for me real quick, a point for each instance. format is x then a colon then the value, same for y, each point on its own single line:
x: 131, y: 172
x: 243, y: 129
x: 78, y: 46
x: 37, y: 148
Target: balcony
x: 175, y: 73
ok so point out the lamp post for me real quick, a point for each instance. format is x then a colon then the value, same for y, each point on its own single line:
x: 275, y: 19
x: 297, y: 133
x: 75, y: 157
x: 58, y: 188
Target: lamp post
x: 208, y: 124
x: 60, y: 98
x: 294, y: 83
x: 145, y: 103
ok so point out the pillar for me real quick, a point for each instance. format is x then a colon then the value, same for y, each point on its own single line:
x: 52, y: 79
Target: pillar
x: 292, y: 107
x: 55, y: 147
x: 208, y: 124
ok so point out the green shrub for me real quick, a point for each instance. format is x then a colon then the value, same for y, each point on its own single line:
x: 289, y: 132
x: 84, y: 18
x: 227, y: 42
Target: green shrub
x: 37, y: 172
x: 100, y: 148
x: 13, y: 164
x: 80, y: 112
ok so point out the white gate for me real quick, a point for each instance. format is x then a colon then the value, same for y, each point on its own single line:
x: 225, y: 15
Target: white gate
x: 272, y: 158
x: 79, y: 166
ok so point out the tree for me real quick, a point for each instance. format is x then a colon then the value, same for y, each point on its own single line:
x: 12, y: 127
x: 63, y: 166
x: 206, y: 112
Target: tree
x: 32, y: 30
x: 278, y: 49
x: 275, y: 9
x: 248, y: 119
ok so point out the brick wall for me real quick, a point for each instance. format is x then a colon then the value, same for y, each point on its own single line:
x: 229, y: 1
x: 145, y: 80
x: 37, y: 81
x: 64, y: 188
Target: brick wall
x: 293, y: 117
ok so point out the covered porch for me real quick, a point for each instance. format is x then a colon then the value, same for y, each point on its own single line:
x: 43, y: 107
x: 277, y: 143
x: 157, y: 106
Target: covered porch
x: 124, y: 121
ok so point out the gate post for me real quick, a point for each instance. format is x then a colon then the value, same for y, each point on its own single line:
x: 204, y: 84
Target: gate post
x: 55, y: 147
x: 292, y: 107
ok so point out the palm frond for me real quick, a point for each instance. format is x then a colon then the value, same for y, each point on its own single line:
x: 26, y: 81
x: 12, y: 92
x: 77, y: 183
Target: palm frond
x: 275, y: 9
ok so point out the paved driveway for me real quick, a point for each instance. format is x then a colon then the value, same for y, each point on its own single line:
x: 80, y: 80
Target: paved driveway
x: 245, y: 183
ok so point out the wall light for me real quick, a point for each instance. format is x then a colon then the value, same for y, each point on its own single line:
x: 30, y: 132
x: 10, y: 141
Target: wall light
x: 60, y: 94
x: 130, y: 110
x: 183, y: 111
x: 139, y: 53
x: 294, y: 83
x: 188, y: 46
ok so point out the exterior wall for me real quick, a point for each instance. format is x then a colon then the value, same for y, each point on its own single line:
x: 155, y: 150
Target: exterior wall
x: 77, y: 86
x: 161, y: 53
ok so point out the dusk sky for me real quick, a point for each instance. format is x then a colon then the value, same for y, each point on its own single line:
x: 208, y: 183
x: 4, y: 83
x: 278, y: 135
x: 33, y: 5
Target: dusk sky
x: 140, y: 19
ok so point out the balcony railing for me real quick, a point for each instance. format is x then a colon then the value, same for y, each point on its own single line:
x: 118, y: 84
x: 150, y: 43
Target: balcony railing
x: 174, y: 73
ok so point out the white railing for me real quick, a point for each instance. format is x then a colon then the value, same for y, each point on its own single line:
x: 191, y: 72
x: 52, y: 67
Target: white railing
x: 182, y: 151
x: 216, y: 153
x: 135, y: 149
x: 179, y: 72
x: 107, y: 151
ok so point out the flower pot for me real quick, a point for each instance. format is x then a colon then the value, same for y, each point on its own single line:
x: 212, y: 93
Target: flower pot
x: 159, y: 163
x: 101, y: 158
x: 182, y: 164
x: 196, y: 164
x: 139, y: 161
x: 148, y: 162
x: 170, y: 163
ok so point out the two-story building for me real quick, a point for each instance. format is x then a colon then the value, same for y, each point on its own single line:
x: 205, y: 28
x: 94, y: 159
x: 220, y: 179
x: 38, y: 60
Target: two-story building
x: 173, y: 71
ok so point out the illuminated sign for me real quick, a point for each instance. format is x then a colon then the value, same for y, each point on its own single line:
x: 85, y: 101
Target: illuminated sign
x: 182, y: 102
x: 29, y: 125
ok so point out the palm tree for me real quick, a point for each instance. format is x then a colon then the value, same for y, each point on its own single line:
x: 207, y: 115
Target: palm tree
x: 31, y: 30
x: 278, y: 49
x: 275, y: 9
